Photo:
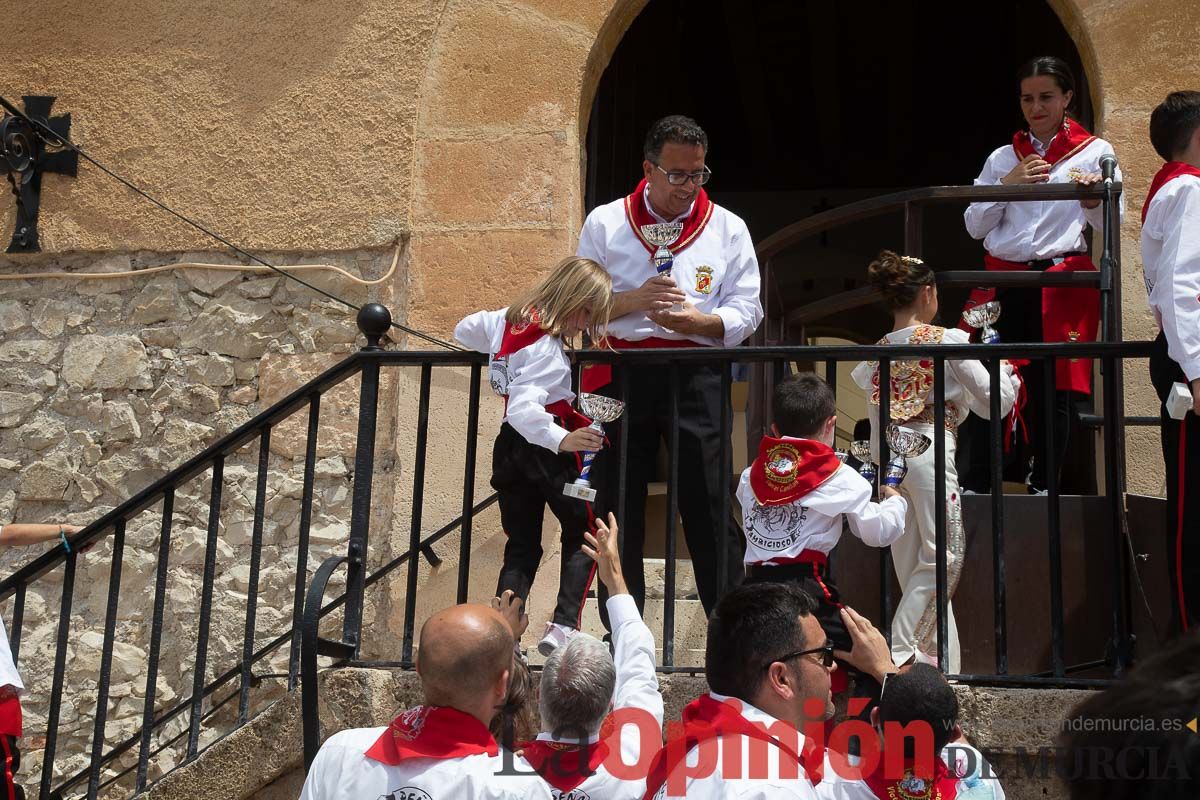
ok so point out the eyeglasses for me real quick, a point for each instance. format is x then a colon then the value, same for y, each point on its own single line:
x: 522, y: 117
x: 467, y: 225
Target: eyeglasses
x: 826, y: 659
x: 678, y: 177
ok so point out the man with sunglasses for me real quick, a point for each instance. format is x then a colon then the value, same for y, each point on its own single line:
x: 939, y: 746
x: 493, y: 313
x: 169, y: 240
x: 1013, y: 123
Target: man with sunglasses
x: 768, y: 668
x: 684, y: 275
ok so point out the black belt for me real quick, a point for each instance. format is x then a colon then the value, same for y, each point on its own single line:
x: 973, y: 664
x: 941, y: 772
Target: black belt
x: 783, y: 572
x: 1043, y: 264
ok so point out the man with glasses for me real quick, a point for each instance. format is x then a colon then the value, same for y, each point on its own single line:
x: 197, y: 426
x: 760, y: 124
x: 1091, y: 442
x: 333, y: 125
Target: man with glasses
x: 684, y: 275
x: 768, y: 668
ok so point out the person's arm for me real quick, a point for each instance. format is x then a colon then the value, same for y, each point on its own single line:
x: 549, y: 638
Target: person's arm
x: 877, y: 524
x: 740, y: 307
x: 19, y: 534
x: 869, y: 651
x: 981, y: 217
x: 475, y: 331
x: 1177, y: 289
x: 543, y: 365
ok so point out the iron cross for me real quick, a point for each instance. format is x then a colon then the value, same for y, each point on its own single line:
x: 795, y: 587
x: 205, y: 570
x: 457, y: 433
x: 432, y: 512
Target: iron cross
x: 25, y: 158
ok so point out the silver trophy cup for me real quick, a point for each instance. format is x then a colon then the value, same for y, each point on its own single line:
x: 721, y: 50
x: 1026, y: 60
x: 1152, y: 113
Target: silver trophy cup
x: 904, y: 444
x: 601, y: 409
x: 662, y: 235
x: 861, y: 450
x: 983, y: 317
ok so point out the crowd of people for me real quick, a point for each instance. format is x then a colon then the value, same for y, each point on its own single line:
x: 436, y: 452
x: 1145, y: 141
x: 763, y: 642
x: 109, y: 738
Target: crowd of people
x: 667, y: 267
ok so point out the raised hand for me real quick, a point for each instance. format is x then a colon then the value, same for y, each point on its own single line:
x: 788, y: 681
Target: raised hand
x: 1032, y: 169
x: 602, y: 548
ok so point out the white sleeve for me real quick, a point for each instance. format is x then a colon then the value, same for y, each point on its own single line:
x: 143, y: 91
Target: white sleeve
x: 637, y: 682
x: 761, y: 790
x: 324, y: 774
x: 527, y: 393
x: 1095, y: 216
x: 1176, y: 292
x: 475, y: 331
x: 837, y: 788
x: 976, y: 383
x: 740, y: 305
x: 877, y: 524
x: 591, y: 241
x: 863, y: 374
x: 981, y: 218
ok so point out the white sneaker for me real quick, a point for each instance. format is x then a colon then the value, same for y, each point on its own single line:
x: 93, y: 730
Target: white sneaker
x: 555, y: 637
x: 925, y: 658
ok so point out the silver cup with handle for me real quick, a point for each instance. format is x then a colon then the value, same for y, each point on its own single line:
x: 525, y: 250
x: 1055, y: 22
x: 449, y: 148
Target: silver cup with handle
x: 601, y: 409
x: 904, y: 443
x: 983, y: 317
x: 861, y: 450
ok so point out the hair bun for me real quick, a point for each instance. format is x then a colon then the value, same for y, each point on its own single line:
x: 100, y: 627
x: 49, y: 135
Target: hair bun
x: 898, y: 278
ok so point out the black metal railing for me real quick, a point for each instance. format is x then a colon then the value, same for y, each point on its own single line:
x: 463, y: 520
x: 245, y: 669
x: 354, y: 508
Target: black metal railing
x: 302, y: 639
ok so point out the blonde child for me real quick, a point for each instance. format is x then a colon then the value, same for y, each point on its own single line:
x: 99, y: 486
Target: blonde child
x: 542, y: 438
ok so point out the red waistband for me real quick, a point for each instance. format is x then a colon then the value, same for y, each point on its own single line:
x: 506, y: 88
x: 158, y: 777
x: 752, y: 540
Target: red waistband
x: 805, y: 557
x: 1000, y: 265
x: 650, y: 341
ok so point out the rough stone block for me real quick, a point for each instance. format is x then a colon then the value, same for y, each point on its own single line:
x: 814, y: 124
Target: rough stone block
x: 279, y: 375
x: 106, y: 362
x: 43, y: 480
x: 13, y: 316
x: 16, y: 406
x: 31, y: 351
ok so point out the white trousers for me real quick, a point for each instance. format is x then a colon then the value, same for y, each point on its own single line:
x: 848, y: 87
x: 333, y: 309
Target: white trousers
x: 914, y: 627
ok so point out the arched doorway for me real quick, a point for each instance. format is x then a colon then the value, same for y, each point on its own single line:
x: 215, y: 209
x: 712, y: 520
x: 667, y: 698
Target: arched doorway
x: 810, y: 105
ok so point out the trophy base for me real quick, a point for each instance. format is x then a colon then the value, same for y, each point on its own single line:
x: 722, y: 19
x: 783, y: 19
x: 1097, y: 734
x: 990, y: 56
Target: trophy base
x: 580, y: 491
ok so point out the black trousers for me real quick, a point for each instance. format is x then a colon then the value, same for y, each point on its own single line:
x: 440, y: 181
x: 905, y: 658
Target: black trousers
x: 648, y: 417
x: 1021, y: 321
x: 528, y: 478
x: 1181, y: 456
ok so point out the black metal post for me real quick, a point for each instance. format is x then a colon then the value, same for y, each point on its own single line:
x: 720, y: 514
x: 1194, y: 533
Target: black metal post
x: 102, y: 683
x: 418, y: 501
x: 464, y: 542
x: 999, y: 579
x: 18, y: 619
x: 725, y: 478
x: 360, y: 510
x: 310, y: 640
x: 1049, y: 380
x: 306, y: 503
x: 941, y: 581
x: 668, y: 644
x: 60, y: 668
x: 156, y: 631
x: 206, y: 593
x: 260, y: 504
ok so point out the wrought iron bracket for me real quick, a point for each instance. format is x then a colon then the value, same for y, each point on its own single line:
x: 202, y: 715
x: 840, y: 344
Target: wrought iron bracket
x: 26, y: 153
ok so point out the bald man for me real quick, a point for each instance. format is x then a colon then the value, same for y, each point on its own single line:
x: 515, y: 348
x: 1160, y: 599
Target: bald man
x: 441, y: 749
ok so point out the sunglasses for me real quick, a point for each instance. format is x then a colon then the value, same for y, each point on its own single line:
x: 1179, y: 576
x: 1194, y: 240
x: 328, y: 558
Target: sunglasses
x: 826, y: 659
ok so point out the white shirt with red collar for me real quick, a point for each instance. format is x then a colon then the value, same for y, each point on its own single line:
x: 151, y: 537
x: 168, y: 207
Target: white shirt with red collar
x: 1171, y: 262
x: 718, y: 271
x: 531, y: 377
x: 427, y: 753
x: 795, y: 495
x: 1031, y: 231
x: 637, y: 689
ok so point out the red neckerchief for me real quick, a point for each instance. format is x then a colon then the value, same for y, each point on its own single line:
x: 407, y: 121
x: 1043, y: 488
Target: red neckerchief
x: 519, y: 336
x: 638, y: 215
x: 564, y: 766
x: 708, y: 718
x: 1169, y: 171
x: 1070, y: 139
x: 787, y: 469
x: 432, y: 732
x: 942, y: 786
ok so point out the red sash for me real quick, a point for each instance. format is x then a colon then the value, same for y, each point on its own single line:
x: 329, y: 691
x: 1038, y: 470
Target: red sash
x: 787, y: 469
x: 942, y: 786
x: 432, y: 732
x: 638, y: 215
x: 1169, y: 171
x: 1069, y: 314
x: 10, y: 712
x: 706, y: 718
x: 564, y: 766
x: 1069, y: 140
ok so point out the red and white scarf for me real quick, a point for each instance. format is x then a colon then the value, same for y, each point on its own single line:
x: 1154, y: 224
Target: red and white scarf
x: 432, y: 732
x: 1169, y: 172
x: 564, y: 766
x: 787, y: 469
x: 637, y: 214
x: 1070, y: 139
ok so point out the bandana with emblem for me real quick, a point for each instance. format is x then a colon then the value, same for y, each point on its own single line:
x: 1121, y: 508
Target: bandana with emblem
x: 563, y: 765
x: 432, y: 732
x: 786, y: 469
x: 941, y: 786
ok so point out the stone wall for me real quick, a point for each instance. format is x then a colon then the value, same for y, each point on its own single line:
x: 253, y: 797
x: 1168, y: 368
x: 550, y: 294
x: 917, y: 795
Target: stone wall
x: 107, y: 384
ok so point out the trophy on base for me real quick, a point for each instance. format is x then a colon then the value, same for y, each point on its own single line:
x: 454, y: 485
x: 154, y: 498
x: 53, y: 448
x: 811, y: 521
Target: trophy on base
x: 662, y: 235
x: 983, y: 317
x: 861, y: 450
x: 601, y: 409
x: 904, y: 444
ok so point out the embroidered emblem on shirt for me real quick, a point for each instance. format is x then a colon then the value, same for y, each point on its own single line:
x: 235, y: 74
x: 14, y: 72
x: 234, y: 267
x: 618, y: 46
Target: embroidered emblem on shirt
x: 781, y: 464
x: 912, y: 381
x: 704, y: 275
x: 407, y: 793
x: 408, y: 725
x: 1073, y: 336
x: 914, y: 788
x: 1076, y: 174
x: 498, y: 375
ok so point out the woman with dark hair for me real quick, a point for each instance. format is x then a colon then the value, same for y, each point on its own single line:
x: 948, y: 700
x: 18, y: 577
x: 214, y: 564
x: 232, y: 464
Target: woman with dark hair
x: 910, y: 293
x: 1042, y: 236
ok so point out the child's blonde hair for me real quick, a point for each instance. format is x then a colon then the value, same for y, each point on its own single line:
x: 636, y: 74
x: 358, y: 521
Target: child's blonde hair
x: 573, y: 285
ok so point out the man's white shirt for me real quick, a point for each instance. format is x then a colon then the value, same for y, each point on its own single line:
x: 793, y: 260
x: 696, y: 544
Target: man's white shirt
x: 636, y: 687
x: 1171, y: 266
x: 724, y: 248
x: 774, y: 784
x: 342, y: 771
x: 1031, y: 231
x: 814, y: 522
x: 531, y: 378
